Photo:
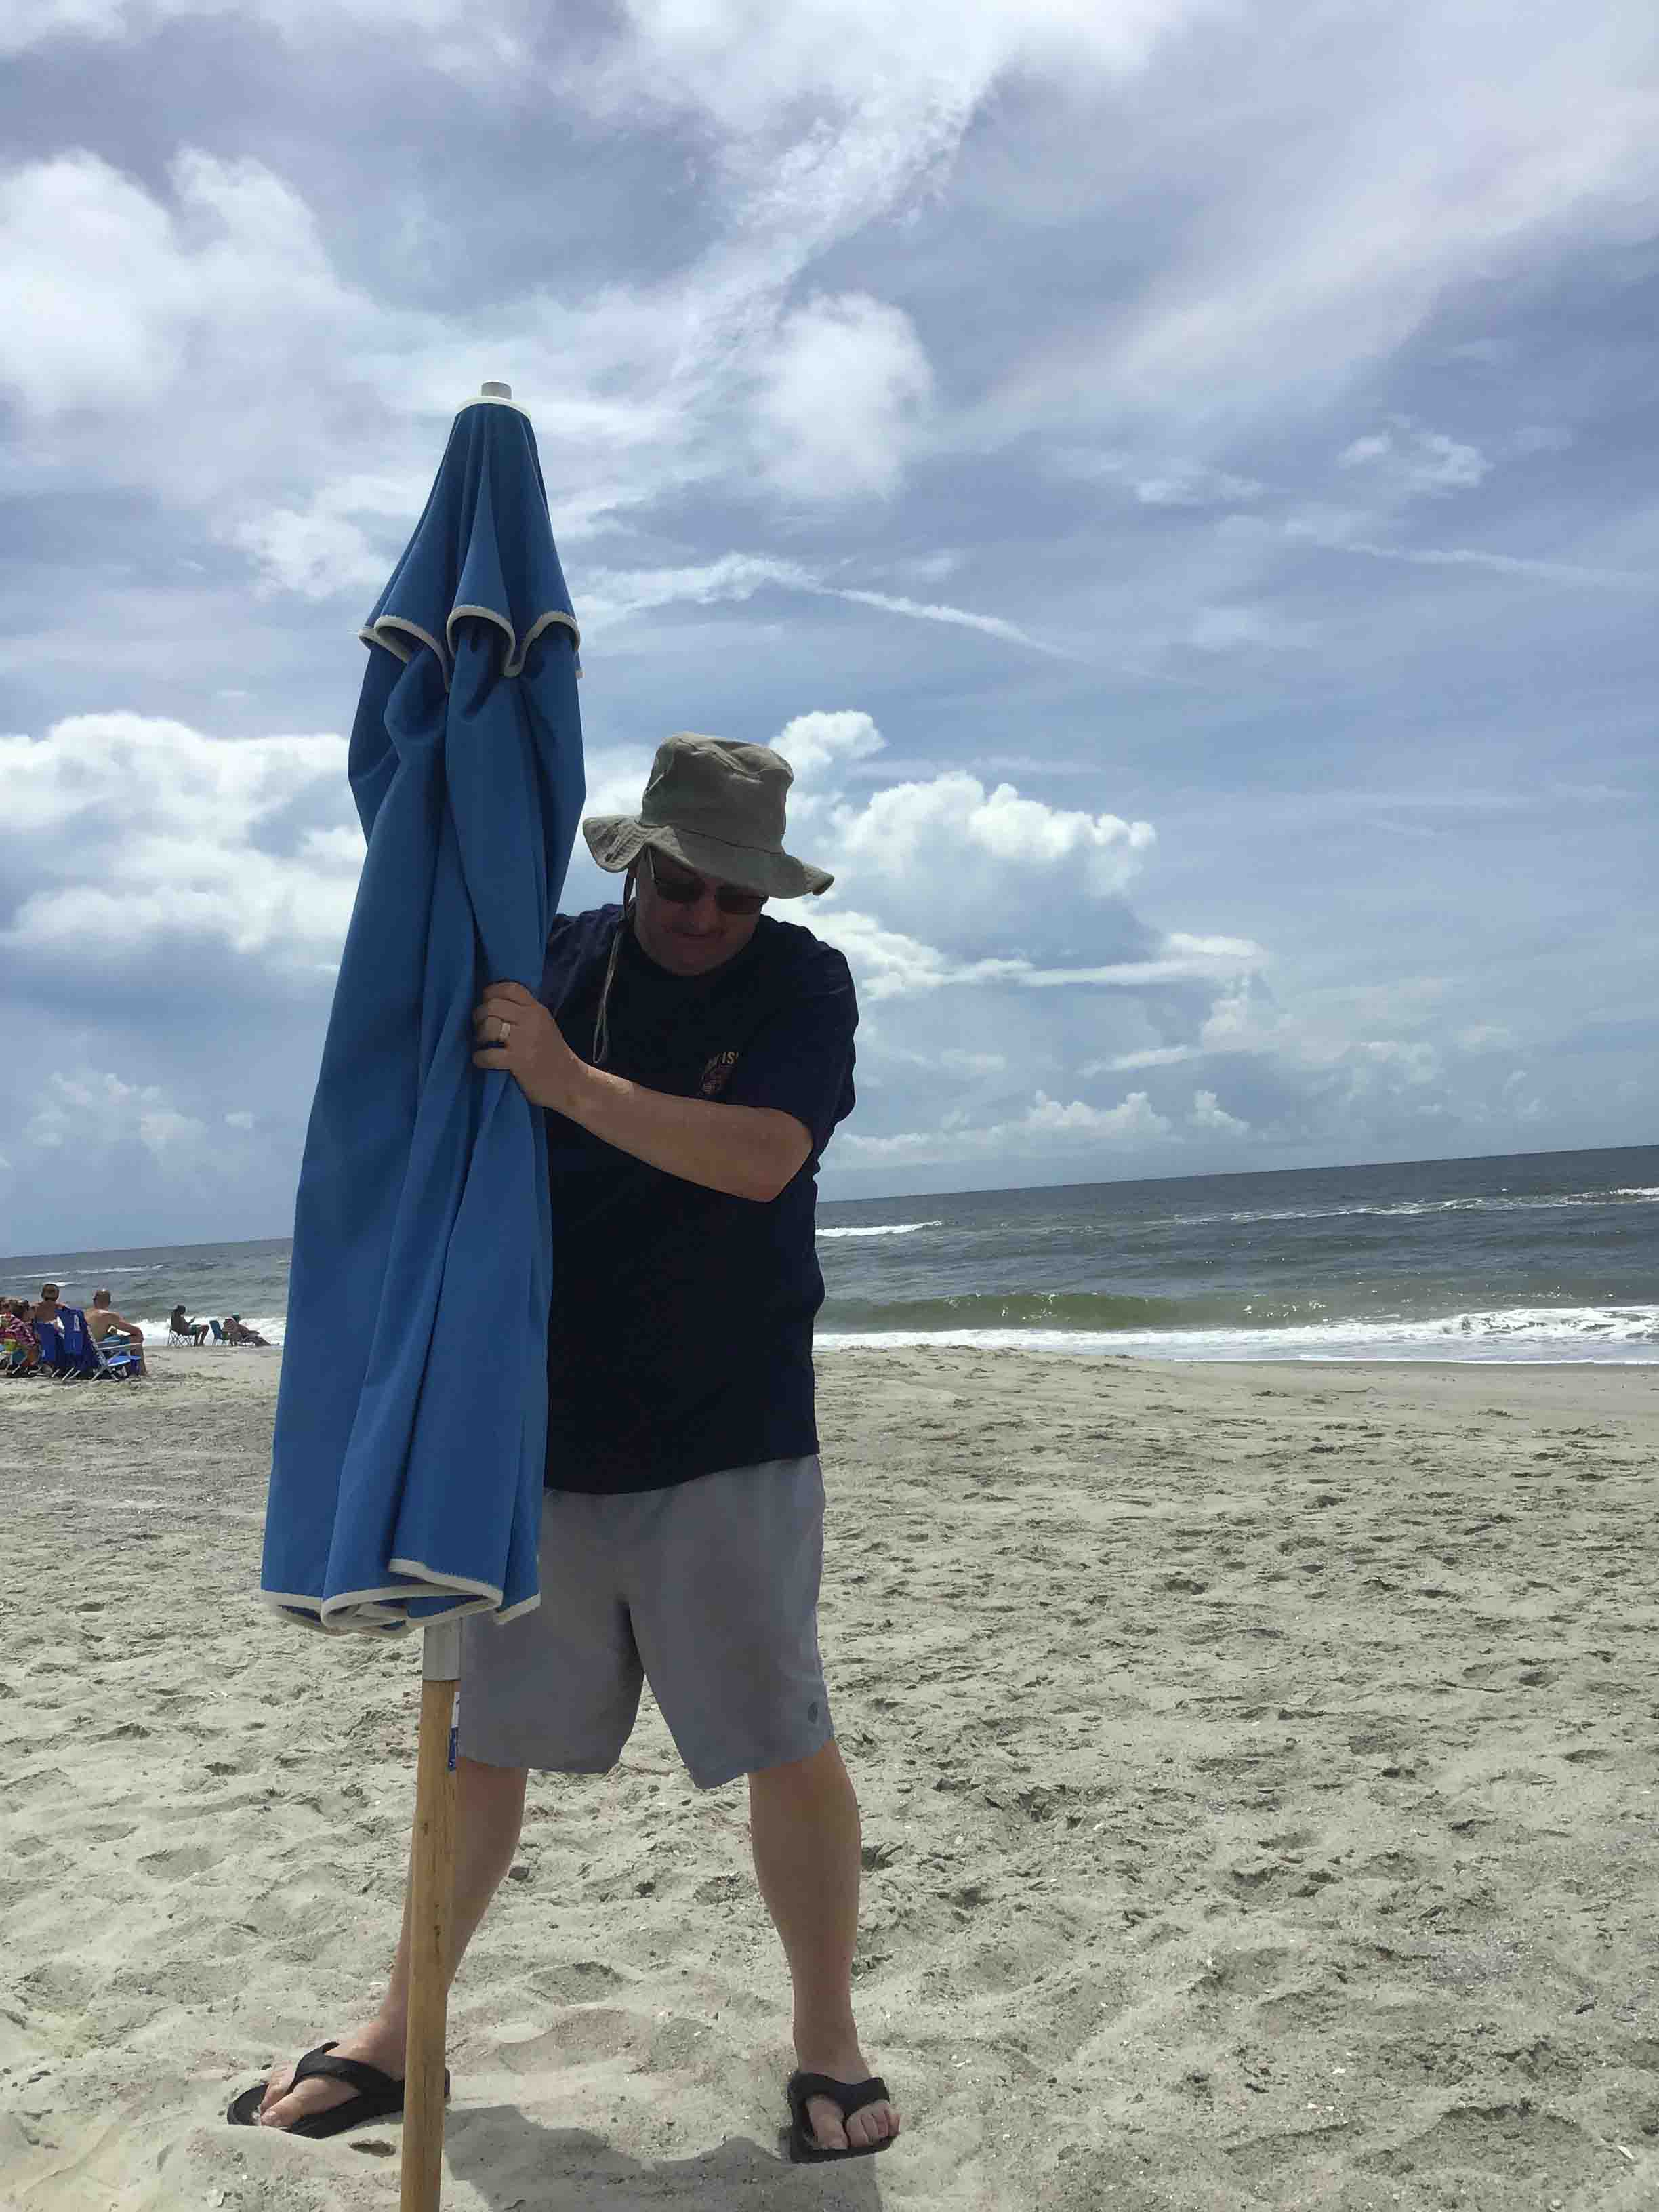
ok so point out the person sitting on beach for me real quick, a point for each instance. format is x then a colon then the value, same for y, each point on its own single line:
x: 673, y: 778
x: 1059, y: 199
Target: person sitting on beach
x: 46, y: 1307
x: 692, y: 1058
x: 17, y: 1343
x: 103, y: 1320
x: 178, y: 1326
x: 237, y: 1332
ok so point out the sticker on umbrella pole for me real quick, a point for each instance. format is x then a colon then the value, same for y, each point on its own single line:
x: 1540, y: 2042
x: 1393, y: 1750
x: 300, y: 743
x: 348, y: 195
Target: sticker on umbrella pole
x: 454, y: 1731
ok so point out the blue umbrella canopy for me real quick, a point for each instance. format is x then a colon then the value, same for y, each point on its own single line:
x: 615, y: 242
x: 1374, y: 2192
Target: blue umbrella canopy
x: 406, y: 1473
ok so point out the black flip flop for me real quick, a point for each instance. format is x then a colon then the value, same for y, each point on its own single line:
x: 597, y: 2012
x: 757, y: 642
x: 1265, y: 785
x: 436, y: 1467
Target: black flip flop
x: 805, y: 2148
x: 379, y: 2097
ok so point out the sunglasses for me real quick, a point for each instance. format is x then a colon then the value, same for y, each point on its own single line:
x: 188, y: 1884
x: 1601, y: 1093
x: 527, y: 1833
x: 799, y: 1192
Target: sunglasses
x: 686, y: 890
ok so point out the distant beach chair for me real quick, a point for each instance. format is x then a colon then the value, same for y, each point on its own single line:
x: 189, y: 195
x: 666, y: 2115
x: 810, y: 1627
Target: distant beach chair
x: 218, y: 1333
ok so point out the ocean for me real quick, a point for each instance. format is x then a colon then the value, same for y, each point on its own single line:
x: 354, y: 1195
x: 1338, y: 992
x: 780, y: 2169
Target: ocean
x: 1544, y: 1256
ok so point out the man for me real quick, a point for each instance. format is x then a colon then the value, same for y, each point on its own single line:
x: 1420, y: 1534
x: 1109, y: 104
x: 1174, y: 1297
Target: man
x: 48, y: 1308
x: 178, y: 1326
x: 236, y: 1331
x: 103, y: 1320
x: 693, y: 1056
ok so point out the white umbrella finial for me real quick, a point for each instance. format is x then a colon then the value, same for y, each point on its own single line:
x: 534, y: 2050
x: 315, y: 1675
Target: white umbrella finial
x: 496, y: 391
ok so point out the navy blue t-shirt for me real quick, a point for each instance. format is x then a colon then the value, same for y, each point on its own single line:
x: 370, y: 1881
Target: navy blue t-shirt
x: 680, y: 1339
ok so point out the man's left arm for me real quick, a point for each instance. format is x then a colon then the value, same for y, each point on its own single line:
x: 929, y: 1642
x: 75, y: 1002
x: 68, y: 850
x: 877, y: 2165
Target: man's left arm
x: 746, y: 1152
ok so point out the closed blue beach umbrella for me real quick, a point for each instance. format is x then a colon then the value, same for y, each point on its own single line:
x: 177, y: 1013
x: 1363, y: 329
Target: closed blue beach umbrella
x: 407, y: 1469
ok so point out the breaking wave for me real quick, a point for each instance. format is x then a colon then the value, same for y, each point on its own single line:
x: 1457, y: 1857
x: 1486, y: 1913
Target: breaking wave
x: 884, y: 1229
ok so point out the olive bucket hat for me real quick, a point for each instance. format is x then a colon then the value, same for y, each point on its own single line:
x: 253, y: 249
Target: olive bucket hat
x: 718, y: 809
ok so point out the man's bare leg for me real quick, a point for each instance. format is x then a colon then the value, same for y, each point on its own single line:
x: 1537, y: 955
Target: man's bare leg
x: 804, y: 1826
x: 488, y: 1814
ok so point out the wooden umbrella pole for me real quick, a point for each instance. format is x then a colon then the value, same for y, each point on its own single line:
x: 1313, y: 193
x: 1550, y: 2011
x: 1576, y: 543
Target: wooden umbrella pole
x: 431, y: 1901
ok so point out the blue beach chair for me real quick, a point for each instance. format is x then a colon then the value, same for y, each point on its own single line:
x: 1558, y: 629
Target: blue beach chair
x: 80, y: 1361
x: 54, y: 1360
x: 118, y: 1358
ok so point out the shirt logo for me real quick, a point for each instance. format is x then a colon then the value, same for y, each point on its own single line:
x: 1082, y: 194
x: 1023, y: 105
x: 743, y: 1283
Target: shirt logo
x: 717, y: 1075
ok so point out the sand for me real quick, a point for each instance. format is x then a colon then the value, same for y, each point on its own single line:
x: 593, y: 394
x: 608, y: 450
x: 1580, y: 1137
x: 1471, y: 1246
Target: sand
x: 1259, y: 1780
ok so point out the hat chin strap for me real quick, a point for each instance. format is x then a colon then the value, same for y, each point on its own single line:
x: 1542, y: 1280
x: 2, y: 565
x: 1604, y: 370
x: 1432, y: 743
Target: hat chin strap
x: 602, y: 1015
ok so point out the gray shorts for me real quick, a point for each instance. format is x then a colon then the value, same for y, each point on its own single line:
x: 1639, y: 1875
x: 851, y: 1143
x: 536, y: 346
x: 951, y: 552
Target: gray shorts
x: 708, y: 1590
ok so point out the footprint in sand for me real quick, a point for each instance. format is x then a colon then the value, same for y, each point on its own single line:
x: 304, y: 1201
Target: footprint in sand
x: 176, y: 1865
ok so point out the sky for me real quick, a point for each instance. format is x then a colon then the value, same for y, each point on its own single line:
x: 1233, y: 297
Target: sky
x: 1176, y: 478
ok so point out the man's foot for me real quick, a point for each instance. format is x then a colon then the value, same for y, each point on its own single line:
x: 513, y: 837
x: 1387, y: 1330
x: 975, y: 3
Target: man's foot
x: 872, y: 2124
x: 376, y: 2045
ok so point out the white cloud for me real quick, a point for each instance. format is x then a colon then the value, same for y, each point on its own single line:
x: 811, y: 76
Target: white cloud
x: 1197, y: 487
x: 91, y: 1111
x: 1049, y: 1125
x: 1208, y: 1116
x: 887, y: 92
x: 146, y: 833
x: 163, y: 1132
x: 1214, y: 948
x: 927, y: 568
x: 610, y: 597
x: 1501, y: 564
x: 436, y: 30
x: 1350, y: 185
x: 843, y: 389
x: 1517, y: 1098
x: 1344, y: 530
x: 820, y: 744
x: 1365, y: 449
x: 1176, y: 966
x: 1243, y: 1019
x: 1125, y: 1063
x: 239, y: 1121
x: 1486, y: 1036
x: 1396, y: 1059
x: 1413, y: 461
x: 1237, y: 629
x: 114, y: 298
x: 888, y: 964
x: 931, y: 610
x: 1134, y: 1118
x: 316, y: 553
x: 904, y: 844
x: 1167, y: 484
x: 25, y: 23
x: 215, y: 302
